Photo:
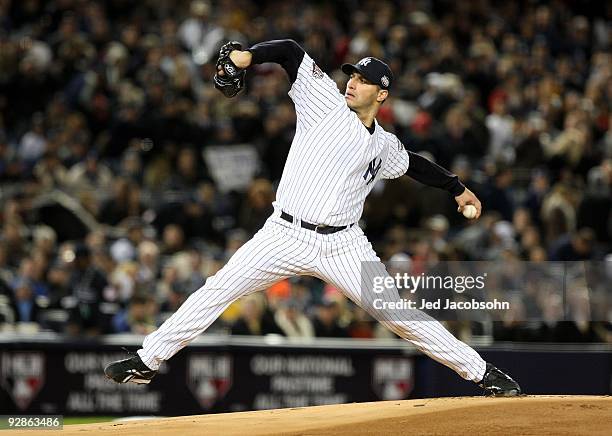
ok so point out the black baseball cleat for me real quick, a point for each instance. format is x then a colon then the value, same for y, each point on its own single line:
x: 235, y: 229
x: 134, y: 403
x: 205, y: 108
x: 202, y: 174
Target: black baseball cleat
x: 496, y: 383
x: 129, y: 370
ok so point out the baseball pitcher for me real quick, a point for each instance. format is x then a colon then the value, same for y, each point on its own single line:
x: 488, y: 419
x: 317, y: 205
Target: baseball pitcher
x: 338, y: 154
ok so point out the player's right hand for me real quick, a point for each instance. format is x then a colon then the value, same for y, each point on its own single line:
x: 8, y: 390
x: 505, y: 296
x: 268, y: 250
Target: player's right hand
x: 229, y: 78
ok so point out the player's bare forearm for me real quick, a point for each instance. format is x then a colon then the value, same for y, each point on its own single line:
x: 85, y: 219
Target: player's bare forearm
x: 242, y: 59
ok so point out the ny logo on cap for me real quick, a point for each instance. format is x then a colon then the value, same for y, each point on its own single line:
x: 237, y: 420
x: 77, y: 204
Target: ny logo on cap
x: 364, y: 62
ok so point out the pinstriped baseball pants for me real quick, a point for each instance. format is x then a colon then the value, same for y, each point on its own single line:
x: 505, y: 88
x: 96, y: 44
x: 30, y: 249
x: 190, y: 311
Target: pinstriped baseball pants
x: 281, y: 250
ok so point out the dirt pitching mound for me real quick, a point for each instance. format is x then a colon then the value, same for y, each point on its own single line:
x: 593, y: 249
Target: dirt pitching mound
x: 533, y: 415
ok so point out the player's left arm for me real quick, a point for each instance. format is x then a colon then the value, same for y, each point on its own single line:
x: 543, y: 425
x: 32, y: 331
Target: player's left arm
x: 404, y: 162
x: 430, y: 173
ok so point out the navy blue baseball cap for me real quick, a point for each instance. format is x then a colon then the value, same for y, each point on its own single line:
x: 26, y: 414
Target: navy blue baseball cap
x: 373, y: 69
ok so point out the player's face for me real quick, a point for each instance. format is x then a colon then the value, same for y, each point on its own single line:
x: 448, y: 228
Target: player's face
x: 361, y: 93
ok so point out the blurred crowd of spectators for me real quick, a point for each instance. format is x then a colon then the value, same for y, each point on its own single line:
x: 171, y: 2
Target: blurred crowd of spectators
x: 111, y: 216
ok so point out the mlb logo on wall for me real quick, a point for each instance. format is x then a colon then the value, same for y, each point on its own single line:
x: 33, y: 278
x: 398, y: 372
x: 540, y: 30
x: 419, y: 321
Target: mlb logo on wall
x: 392, y: 377
x: 209, y: 377
x: 22, y: 375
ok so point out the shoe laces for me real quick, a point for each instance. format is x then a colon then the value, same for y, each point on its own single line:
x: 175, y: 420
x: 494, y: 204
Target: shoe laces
x: 129, y: 352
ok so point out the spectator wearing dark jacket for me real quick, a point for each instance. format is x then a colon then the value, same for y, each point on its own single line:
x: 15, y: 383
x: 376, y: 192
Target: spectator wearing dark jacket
x: 326, y: 323
x: 87, y: 284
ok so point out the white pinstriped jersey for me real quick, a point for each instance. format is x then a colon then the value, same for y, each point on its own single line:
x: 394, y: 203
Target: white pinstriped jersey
x: 334, y: 161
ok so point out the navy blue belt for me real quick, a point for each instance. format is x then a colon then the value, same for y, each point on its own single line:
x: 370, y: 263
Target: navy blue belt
x: 319, y: 228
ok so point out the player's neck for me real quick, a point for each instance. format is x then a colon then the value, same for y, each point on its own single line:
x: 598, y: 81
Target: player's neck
x: 367, y: 116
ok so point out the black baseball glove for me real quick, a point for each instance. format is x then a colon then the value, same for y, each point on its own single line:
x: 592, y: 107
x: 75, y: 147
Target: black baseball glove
x: 232, y: 81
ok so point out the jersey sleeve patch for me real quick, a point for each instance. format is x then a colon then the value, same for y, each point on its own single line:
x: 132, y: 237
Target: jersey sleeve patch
x: 317, y: 73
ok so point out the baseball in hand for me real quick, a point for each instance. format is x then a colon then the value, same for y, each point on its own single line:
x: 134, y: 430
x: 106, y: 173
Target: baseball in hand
x: 469, y: 211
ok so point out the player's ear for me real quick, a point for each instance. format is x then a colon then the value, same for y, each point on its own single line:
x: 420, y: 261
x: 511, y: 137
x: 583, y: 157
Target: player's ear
x: 382, y: 95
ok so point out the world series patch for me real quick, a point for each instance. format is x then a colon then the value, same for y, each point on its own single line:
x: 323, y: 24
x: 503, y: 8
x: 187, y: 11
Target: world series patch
x: 316, y: 71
